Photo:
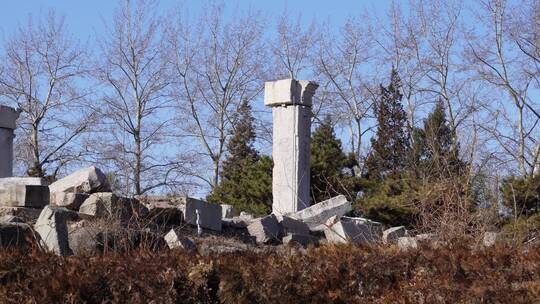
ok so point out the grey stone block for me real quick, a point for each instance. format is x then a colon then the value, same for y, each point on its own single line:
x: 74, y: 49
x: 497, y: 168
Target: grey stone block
x: 391, y: 235
x: 88, y: 180
x: 353, y: 229
x: 265, y: 229
x: 227, y: 211
x: 317, y: 215
x: 210, y: 214
x: 175, y: 240
x: 294, y: 226
x: 18, y: 195
x: 69, y: 200
x: 52, y: 228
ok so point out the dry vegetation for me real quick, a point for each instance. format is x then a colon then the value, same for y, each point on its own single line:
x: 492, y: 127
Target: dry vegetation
x: 453, y: 273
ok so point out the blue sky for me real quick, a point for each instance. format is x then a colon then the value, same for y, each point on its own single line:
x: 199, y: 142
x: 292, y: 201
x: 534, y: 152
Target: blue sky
x: 86, y: 17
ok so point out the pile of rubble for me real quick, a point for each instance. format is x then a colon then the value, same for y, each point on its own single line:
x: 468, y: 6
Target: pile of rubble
x: 79, y: 214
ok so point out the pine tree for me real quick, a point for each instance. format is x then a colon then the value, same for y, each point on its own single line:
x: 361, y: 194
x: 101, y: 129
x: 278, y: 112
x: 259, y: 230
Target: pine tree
x: 329, y: 165
x: 246, y: 177
x: 436, y: 154
x: 390, y: 145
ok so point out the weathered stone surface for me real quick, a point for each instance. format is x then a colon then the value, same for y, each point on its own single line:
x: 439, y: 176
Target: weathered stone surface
x: 293, y: 226
x: 29, y: 181
x: 265, y: 229
x: 15, y: 235
x: 19, y: 195
x: 88, y: 180
x: 407, y: 242
x: 108, y: 205
x: 391, y: 235
x: 164, y: 212
x: 8, y: 118
x: 317, y: 215
x: 10, y: 219
x: 301, y: 239
x: 175, y: 240
x: 84, y: 239
x: 227, y: 211
x: 289, y: 92
x: 69, y: 200
x: 52, y: 228
x: 247, y: 216
x: 210, y: 214
x: 352, y: 229
x: 28, y: 215
x: 491, y: 238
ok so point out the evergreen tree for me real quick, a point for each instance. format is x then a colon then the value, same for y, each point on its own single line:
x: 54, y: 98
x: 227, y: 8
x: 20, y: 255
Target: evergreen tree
x: 435, y: 152
x: 390, y: 145
x: 246, y: 177
x: 331, y: 169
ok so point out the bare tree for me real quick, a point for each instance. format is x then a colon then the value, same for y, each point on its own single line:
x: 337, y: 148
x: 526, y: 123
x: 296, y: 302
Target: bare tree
x: 217, y: 65
x: 500, y: 64
x: 42, y: 70
x: 341, y: 65
x: 135, y: 106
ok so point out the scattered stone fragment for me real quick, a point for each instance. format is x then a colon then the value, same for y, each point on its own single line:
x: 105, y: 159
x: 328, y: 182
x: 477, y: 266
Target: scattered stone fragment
x: 15, y: 235
x: 293, y: 226
x: 209, y: 214
x: 227, y: 211
x: 19, y: 195
x: 301, y: 239
x: 491, y: 238
x: 10, y: 219
x: 52, y: 227
x: 391, y: 235
x: 317, y: 215
x: 69, y: 200
x: 407, y: 242
x: 246, y: 215
x: 265, y: 229
x: 28, y: 215
x: 175, y: 240
x: 88, y: 180
x: 352, y: 229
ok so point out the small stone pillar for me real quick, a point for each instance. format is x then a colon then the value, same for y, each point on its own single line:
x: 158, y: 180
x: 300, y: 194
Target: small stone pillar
x: 8, y: 117
x: 290, y: 100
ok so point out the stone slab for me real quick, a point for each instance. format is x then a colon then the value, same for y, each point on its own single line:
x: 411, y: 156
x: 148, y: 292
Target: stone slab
x: 317, y: 215
x: 176, y: 240
x: 18, y: 195
x: 391, y: 235
x: 210, y: 214
x: 265, y: 229
x: 293, y: 226
x: 69, y: 200
x: 88, y: 180
x: 52, y: 228
x: 29, y: 181
x: 289, y: 92
x: 353, y: 229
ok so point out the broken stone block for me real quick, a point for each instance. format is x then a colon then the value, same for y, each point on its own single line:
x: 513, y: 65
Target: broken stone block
x: 317, y: 215
x: 301, y: 239
x: 247, y: 216
x: 10, y: 219
x: 19, y: 195
x: 29, y: 181
x: 84, y: 238
x: 391, y: 235
x: 15, y: 235
x: 407, y: 242
x: 227, y: 211
x: 491, y: 238
x: 69, y: 200
x: 101, y: 204
x: 209, y: 214
x: 88, y: 180
x: 352, y: 229
x: 28, y: 215
x: 294, y: 226
x: 52, y: 228
x: 265, y: 229
x: 175, y: 240
x: 164, y: 213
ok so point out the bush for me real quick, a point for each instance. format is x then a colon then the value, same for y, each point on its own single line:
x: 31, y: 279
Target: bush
x: 521, y: 194
x: 329, y: 274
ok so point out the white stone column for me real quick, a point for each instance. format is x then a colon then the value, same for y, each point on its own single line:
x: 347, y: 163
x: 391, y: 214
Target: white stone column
x: 8, y: 117
x: 291, y: 102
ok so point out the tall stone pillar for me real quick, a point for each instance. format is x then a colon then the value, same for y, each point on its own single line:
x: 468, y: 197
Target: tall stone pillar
x: 291, y: 102
x: 8, y: 117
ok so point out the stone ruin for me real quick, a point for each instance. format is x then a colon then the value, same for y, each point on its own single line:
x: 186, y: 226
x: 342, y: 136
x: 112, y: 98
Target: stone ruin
x: 79, y: 214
